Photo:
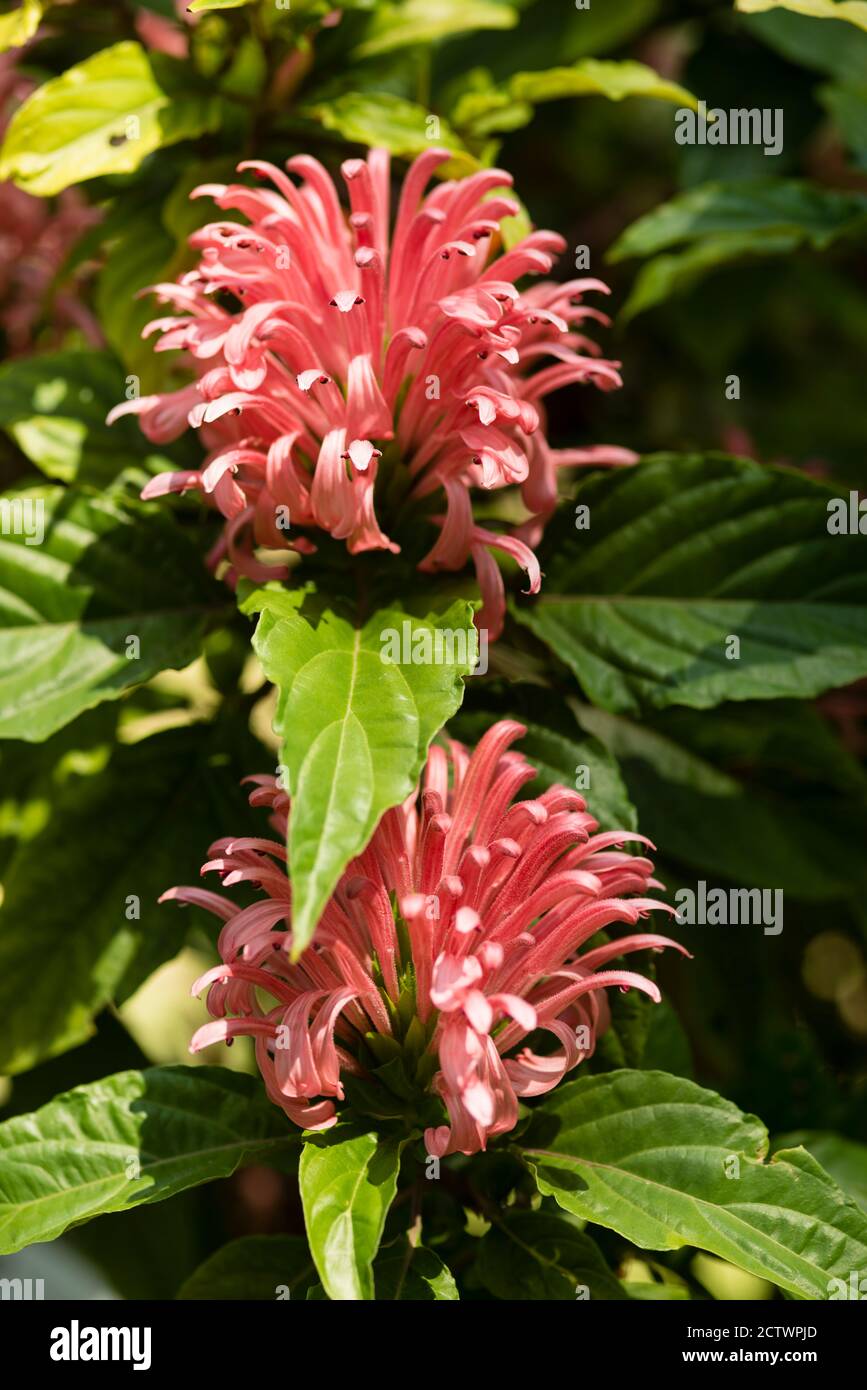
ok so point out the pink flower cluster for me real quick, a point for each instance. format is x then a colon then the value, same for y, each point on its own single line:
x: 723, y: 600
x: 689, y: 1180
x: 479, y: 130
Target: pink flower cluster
x: 352, y: 375
x: 459, y: 931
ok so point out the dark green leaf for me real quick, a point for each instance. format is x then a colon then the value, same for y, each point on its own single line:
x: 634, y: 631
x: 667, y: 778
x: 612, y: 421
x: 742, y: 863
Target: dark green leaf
x: 254, y: 1268
x: 80, y: 924
x: 583, y: 763
x: 685, y: 554
x: 71, y: 608
x: 543, y: 1256
x: 411, y: 1273
x: 425, y: 21
x: 847, y: 106
x: 31, y: 774
x: 760, y: 207
x: 731, y: 823
x: 140, y: 253
x: 666, y: 1046
x: 666, y: 276
x: 720, y: 223
x: 851, y: 11
x: 838, y: 49
x: 54, y: 407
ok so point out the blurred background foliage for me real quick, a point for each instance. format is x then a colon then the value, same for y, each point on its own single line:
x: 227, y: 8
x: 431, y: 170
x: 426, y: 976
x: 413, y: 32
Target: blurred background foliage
x: 755, y: 267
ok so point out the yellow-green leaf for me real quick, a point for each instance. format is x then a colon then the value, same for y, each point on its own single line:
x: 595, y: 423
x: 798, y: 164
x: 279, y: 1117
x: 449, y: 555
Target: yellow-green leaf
x: 593, y: 76
x: 103, y: 116
x: 403, y: 127
x: 19, y: 25
x: 485, y: 106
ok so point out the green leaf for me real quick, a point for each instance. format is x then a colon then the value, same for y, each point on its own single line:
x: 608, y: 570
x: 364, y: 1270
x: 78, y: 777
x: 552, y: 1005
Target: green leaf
x: 686, y: 552
x: 728, y: 822
x: 667, y: 1164
x: 552, y: 33
x: 623, y: 1042
x: 106, y: 571
x: 593, y: 76
x: 509, y: 105
x: 586, y: 764
x: 139, y: 1136
x: 396, y: 26
x: 411, y: 1273
x: 851, y: 11
x: 181, y: 214
x: 654, y: 1282
x: 543, y: 1256
x: 54, y: 407
x: 355, y: 727
x: 347, y: 1182
x: 103, y: 116
x: 19, y: 25
x: 400, y: 126
x: 843, y: 1158
x: 32, y: 773
x: 816, y: 216
x: 718, y: 224
x: 483, y: 106
x: 253, y: 1268
x: 115, y: 838
x: 197, y: 6
x: 758, y: 823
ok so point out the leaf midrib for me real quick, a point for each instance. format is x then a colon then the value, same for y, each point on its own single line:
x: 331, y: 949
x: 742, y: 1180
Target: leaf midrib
x: 355, y: 652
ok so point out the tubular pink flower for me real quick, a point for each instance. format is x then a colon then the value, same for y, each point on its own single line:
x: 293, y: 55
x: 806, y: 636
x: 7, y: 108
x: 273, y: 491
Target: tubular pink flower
x: 451, y: 939
x: 349, y: 376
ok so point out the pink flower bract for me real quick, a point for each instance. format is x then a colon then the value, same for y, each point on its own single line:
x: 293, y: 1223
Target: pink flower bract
x: 459, y: 931
x: 351, y: 375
